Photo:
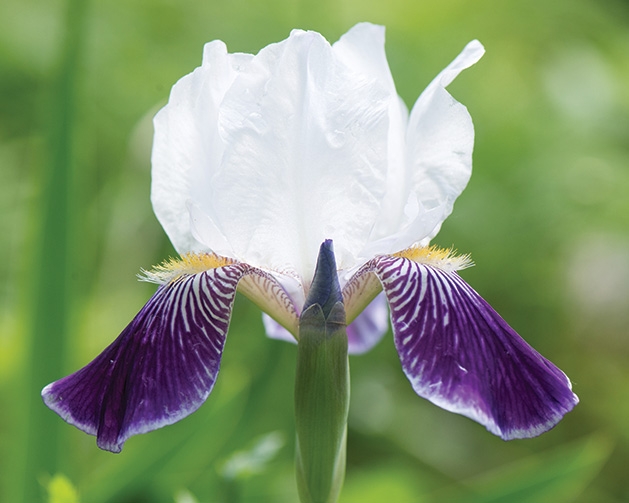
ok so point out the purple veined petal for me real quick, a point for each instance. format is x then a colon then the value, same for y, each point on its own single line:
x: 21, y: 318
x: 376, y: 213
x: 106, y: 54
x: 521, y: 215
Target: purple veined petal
x: 366, y: 310
x: 369, y: 326
x: 269, y: 293
x: 461, y: 355
x: 160, y: 369
x: 276, y: 331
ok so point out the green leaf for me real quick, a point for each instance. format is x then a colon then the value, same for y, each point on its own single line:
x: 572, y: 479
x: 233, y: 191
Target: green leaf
x: 559, y: 475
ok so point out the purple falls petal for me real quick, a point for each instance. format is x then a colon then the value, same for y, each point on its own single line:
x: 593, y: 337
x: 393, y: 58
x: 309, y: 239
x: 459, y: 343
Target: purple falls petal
x: 461, y: 355
x: 369, y: 326
x: 160, y: 369
x: 276, y: 331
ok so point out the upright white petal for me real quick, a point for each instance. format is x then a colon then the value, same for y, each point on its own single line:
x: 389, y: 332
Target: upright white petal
x: 438, y: 162
x: 305, y: 158
x: 440, y: 141
x: 187, y: 147
x: 363, y: 47
x: 362, y: 50
x: 261, y: 158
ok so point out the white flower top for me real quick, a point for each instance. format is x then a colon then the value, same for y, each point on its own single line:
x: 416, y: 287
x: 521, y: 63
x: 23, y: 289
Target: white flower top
x: 260, y: 158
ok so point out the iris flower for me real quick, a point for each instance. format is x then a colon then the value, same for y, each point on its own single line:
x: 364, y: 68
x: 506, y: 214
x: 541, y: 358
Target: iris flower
x: 257, y: 161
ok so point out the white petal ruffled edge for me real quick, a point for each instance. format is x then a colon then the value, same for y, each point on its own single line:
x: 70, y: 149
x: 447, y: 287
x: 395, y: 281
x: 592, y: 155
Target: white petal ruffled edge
x: 437, y: 162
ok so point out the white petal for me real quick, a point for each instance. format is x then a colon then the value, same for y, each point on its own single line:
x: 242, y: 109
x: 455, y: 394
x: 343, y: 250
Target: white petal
x: 362, y: 50
x: 306, y: 155
x: 440, y: 141
x: 204, y: 230
x: 187, y: 148
x: 261, y: 158
x: 438, y: 161
x: 398, y: 176
x: 363, y: 47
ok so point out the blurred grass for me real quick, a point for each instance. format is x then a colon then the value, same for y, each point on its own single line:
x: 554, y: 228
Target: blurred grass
x: 546, y: 218
x: 51, y: 292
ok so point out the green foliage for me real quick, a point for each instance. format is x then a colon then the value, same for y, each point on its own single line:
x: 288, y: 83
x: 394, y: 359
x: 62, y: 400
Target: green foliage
x: 61, y: 490
x: 545, y: 217
x: 244, y: 464
x: 559, y: 475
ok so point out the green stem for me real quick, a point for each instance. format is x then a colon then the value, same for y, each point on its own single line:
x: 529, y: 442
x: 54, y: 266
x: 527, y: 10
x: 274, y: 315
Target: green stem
x: 321, y: 404
x: 322, y: 386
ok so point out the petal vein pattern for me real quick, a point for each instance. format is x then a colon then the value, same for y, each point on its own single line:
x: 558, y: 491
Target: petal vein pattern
x: 161, y: 368
x: 461, y: 355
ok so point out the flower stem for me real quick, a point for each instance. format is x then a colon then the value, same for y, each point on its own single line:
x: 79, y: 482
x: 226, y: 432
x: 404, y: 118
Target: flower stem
x: 322, y: 387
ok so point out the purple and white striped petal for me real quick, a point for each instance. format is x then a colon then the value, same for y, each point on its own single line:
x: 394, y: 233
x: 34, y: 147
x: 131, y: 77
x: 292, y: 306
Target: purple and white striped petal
x: 160, y: 369
x: 461, y: 355
x: 368, y: 327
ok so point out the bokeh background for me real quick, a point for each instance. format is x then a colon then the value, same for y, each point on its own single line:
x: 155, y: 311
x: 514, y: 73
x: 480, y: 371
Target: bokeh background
x: 545, y: 217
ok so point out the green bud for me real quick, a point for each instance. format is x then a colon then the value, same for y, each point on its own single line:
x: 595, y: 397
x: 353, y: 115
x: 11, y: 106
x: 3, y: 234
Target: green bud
x: 322, y: 387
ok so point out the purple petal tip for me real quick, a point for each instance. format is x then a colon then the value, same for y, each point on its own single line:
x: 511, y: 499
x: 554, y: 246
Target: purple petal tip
x: 160, y: 369
x: 460, y: 354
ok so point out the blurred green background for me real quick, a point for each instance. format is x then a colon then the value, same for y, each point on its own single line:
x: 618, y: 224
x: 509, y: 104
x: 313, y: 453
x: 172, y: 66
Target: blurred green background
x: 545, y: 217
